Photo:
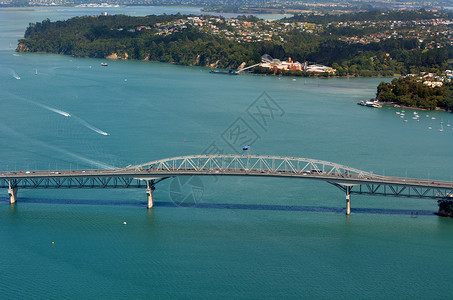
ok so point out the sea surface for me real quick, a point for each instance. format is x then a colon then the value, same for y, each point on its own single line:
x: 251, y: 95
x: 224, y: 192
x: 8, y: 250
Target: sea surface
x: 230, y: 237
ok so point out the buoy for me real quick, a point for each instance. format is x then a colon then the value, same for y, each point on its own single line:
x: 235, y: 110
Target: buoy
x: 184, y: 141
x: 53, y: 243
x: 124, y: 223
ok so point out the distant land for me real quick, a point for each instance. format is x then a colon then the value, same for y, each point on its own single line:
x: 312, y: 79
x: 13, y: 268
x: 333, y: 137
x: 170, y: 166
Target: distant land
x: 252, y: 6
x: 357, y: 44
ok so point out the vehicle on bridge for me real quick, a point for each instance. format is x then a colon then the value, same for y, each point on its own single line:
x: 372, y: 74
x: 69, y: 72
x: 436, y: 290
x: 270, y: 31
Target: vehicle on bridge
x: 349, y: 180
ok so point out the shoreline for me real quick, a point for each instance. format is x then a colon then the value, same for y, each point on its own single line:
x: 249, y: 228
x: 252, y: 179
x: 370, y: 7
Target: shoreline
x: 410, y: 107
x: 311, y: 75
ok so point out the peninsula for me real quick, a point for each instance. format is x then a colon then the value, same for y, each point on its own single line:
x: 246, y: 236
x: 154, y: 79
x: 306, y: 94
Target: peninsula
x: 358, y: 44
x: 424, y: 90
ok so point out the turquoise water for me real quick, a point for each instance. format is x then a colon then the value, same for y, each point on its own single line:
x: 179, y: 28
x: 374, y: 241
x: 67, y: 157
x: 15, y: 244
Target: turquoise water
x: 247, y: 237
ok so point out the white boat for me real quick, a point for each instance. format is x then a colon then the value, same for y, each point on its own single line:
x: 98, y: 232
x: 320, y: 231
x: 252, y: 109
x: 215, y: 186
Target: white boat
x: 370, y: 103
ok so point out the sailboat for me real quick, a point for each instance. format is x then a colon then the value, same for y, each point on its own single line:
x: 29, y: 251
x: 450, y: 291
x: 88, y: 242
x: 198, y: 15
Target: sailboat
x: 441, y: 127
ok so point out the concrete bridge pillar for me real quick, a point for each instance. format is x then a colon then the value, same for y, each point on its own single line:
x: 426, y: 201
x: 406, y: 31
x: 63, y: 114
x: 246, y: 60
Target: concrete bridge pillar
x: 348, y: 200
x: 12, y: 195
x: 149, y: 193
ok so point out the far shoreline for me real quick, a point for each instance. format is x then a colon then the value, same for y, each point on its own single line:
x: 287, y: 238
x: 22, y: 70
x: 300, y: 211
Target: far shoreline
x: 113, y: 57
x: 317, y: 76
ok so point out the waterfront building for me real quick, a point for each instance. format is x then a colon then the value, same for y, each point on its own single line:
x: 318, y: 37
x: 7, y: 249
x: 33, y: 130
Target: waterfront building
x: 290, y: 65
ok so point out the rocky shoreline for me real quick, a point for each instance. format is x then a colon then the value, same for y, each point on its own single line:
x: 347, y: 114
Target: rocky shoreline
x: 445, y: 208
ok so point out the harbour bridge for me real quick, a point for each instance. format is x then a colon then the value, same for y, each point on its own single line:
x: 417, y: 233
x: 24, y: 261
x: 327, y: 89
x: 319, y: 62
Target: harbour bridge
x: 148, y: 175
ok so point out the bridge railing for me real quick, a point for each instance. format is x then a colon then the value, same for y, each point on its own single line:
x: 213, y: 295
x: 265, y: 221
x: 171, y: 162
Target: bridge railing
x: 254, y: 163
x: 73, y: 183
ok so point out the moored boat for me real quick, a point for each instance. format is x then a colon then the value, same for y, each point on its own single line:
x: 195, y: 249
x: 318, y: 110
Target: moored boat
x: 229, y: 72
x: 370, y: 103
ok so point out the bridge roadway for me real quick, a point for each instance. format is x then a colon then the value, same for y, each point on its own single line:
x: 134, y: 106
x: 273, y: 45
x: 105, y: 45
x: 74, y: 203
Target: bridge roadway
x: 349, y: 180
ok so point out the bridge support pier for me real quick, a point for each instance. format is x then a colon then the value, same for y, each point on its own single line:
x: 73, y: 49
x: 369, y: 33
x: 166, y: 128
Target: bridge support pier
x: 149, y: 193
x: 348, y: 200
x: 12, y: 195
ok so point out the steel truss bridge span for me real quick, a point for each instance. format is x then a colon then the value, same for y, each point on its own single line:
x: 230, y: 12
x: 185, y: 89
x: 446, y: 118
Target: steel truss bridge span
x: 349, y: 180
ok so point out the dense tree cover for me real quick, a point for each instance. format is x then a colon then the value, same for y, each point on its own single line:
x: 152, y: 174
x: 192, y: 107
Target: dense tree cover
x: 409, y: 92
x: 102, y: 36
x: 105, y: 35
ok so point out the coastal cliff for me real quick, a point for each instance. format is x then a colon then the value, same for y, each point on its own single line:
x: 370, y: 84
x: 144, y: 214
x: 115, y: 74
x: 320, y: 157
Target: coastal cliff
x: 21, y: 47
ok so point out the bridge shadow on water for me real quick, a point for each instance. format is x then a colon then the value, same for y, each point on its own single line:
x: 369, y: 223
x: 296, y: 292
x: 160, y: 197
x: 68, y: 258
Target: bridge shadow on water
x: 229, y: 206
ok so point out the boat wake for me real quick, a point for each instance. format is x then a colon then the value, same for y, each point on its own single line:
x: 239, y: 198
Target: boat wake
x: 14, y: 74
x: 7, y: 131
x: 58, y: 111
x: 89, y: 126
x: 63, y: 113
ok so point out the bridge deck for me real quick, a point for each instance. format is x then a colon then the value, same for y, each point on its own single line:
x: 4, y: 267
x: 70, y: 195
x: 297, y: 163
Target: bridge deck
x: 350, y: 180
x: 149, y: 174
